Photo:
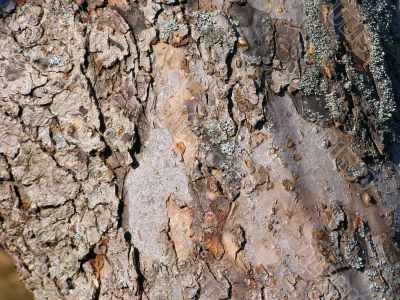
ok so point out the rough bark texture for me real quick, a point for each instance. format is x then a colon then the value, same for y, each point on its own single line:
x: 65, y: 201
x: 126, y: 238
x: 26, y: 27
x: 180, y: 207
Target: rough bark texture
x: 201, y: 149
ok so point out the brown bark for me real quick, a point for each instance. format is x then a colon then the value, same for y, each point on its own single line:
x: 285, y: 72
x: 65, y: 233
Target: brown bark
x: 200, y: 149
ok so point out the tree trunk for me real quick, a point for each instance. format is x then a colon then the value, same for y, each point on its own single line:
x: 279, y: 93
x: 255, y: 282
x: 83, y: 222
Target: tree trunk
x: 205, y: 149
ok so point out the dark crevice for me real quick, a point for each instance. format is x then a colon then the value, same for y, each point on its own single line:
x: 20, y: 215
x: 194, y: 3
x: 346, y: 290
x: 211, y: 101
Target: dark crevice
x: 262, y: 291
x: 229, y: 291
x: 88, y: 257
x: 136, y: 148
x: 140, y: 279
x: 84, y: 6
x: 96, y: 294
x: 340, y: 270
x: 18, y: 195
x: 396, y: 238
x: 263, y: 90
x: 260, y: 124
x: 107, y: 152
x: 229, y: 58
x: 70, y: 284
x: 230, y: 106
x: 128, y: 237
x: 228, y: 62
x: 120, y: 212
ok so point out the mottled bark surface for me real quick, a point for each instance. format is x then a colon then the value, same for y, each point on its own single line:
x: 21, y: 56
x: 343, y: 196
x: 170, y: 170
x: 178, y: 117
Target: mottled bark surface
x: 201, y: 149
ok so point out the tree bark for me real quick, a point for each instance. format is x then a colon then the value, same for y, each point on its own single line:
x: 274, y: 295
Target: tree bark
x: 205, y: 149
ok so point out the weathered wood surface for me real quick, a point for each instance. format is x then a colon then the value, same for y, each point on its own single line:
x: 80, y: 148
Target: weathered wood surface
x: 201, y: 149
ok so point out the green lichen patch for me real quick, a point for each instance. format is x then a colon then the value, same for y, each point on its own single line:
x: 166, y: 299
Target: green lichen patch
x: 207, y: 29
x: 204, y: 20
x: 378, y: 15
x: 173, y: 29
x: 357, y: 96
x: 218, y: 134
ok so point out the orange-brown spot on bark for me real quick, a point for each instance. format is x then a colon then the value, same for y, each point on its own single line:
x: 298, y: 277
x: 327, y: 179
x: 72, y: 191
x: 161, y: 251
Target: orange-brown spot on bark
x: 185, y: 66
x: 20, y: 2
x: 106, y: 241
x: 181, y: 148
x: 295, y: 177
x: 209, y: 218
x: 212, y: 184
x: 326, y: 69
x: 97, y: 65
x: 280, y: 9
x: 213, y: 244
x: 25, y: 202
x: 243, y: 43
x: 272, y: 152
x: 325, y: 12
x: 179, y: 40
x: 290, y: 143
x: 97, y: 264
x: 258, y: 269
x: 257, y: 139
x: 310, y: 49
x: 288, y: 185
x: 357, y: 222
x: 352, y: 161
x: 367, y: 199
x: 297, y: 157
x: 207, y: 5
x: 332, y: 258
x: 320, y: 234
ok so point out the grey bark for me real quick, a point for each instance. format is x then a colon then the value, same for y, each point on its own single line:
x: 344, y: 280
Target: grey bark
x: 201, y: 149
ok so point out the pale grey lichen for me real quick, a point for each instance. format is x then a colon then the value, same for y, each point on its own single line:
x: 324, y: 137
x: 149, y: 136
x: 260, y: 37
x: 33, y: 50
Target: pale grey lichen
x: 324, y: 47
x: 223, y: 166
x: 60, y: 140
x: 371, y: 273
x: 317, y: 32
x: 55, y: 61
x: 172, y: 26
x: 377, y: 15
x: 337, y: 219
x: 211, y: 34
x: 332, y: 104
x: 169, y: 2
x: 375, y: 287
x: 234, y: 23
x: 351, y: 251
x: 204, y: 20
x: 350, y: 247
x: 333, y: 237
x: 228, y: 148
x: 357, y: 171
x: 216, y: 133
x: 357, y: 263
